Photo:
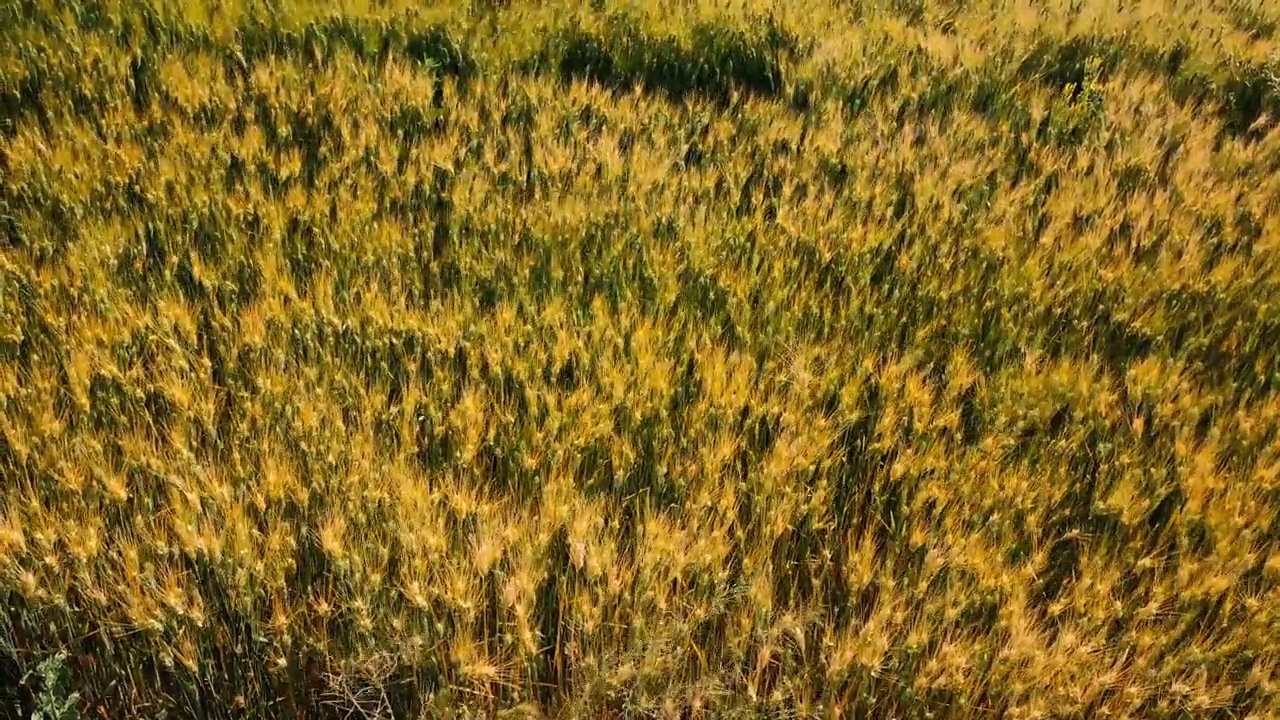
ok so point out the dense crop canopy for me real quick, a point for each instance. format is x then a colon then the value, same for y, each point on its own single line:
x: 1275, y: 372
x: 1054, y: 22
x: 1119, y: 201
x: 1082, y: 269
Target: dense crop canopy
x: 890, y: 359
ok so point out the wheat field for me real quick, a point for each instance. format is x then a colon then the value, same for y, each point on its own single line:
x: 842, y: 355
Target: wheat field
x: 837, y: 359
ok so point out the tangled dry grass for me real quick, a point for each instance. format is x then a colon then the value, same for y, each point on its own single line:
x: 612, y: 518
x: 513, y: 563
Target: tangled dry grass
x: 818, y: 359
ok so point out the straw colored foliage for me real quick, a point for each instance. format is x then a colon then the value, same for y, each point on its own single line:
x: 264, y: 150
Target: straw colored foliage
x: 900, y: 358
